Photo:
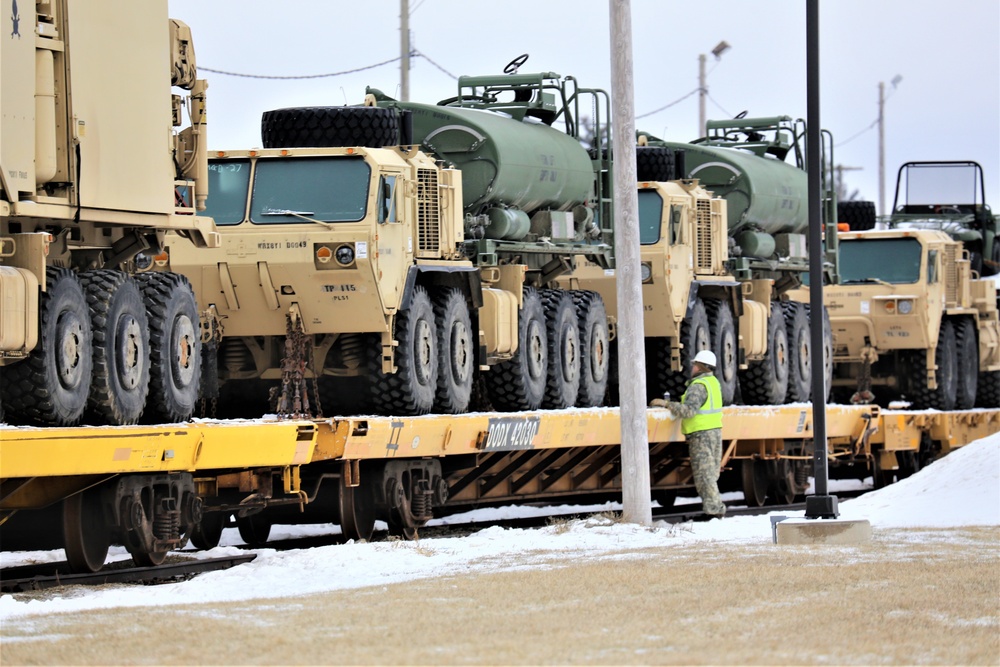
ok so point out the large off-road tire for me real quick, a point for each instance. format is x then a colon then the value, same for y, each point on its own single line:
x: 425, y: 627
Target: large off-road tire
x: 342, y: 395
x: 765, y: 382
x: 329, y: 127
x: 121, y: 347
x: 827, y: 351
x: 51, y: 386
x: 799, y: 352
x: 696, y: 335
x: 943, y: 398
x: 988, y: 390
x: 860, y: 215
x: 519, y: 383
x: 595, y: 348
x: 563, y: 339
x: 175, y: 347
x: 723, y: 342
x: 412, y: 388
x: 654, y: 163
x: 967, y: 372
x: 456, y: 352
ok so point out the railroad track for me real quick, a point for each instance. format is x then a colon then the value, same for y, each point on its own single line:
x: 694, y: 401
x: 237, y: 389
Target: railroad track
x: 49, y: 575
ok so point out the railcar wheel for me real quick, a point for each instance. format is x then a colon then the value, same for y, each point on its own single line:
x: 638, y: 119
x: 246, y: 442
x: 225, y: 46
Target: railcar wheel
x: 755, y: 482
x: 146, y: 558
x: 86, y: 533
x: 121, y: 347
x: 456, y: 352
x: 595, y: 348
x: 799, y: 352
x: 208, y: 532
x: 519, y: 383
x: 723, y: 336
x: 357, y: 509
x: 765, y: 382
x: 51, y: 386
x: 967, y: 375
x: 563, y: 339
x: 942, y: 398
x: 781, y: 490
x: 411, y: 389
x: 175, y: 347
x: 254, y: 529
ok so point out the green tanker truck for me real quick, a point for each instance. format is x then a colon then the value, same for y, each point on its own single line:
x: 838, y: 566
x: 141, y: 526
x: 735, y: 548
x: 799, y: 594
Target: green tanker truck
x: 727, y: 278
x: 375, y: 274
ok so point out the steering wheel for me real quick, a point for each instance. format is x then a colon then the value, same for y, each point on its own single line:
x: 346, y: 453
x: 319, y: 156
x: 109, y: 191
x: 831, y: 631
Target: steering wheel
x: 947, y: 209
x: 512, y: 66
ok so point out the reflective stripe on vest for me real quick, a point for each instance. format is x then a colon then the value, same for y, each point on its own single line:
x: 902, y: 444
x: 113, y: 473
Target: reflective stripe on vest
x: 709, y: 415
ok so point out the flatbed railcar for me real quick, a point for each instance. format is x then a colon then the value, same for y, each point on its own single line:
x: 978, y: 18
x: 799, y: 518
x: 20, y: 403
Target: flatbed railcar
x: 152, y: 488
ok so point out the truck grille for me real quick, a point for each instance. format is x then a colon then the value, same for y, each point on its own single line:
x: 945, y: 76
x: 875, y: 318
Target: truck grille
x: 950, y: 276
x: 428, y: 214
x: 703, y: 236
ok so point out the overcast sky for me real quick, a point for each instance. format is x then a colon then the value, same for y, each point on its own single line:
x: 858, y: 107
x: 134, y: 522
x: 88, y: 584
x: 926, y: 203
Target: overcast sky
x: 946, y: 107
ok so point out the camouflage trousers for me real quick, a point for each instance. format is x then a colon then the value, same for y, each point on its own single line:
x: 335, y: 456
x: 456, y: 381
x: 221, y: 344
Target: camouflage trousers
x: 706, y: 461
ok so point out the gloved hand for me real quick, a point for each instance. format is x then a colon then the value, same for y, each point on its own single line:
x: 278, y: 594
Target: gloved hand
x: 658, y: 403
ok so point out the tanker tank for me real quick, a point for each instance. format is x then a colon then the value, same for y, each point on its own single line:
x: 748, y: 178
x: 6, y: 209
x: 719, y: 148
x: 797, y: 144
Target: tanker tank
x: 743, y: 161
x: 511, y: 169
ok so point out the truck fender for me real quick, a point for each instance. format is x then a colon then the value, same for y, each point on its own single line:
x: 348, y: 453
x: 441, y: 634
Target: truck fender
x: 466, y: 278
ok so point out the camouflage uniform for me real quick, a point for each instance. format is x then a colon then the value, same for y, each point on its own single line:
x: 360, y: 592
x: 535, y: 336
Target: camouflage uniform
x: 706, y: 451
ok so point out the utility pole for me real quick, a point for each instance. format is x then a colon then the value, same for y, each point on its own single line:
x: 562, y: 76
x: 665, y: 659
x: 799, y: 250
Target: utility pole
x: 404, y: 50
x: 631, y: 351
x: 881, y: 148
x: 838, y: 182
x: 702, y: 92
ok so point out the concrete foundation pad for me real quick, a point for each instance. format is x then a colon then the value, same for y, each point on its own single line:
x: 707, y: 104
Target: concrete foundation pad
x: 823, y: 531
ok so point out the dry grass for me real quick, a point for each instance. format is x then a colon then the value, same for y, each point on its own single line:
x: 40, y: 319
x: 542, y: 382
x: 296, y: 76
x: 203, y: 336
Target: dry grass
x: 907, y: 598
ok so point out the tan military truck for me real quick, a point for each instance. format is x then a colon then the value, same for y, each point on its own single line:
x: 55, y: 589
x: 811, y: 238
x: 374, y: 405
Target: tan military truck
x: 94, y: 170
x: 910, y: 321
x: 355, y: 259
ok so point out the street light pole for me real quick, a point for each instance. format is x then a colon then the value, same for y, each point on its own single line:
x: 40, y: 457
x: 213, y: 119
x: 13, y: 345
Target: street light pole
x: 719, y: 49
x: 881, y: 148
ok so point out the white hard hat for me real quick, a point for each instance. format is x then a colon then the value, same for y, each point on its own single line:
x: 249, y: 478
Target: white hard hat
x: 705, y: 358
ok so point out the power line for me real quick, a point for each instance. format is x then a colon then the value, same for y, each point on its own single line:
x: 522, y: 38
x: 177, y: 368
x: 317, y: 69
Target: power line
x: 663, y: 108
x: 855, y: 136
x: 712, y: 100
x: 305, y: 76
x: 423, y: 55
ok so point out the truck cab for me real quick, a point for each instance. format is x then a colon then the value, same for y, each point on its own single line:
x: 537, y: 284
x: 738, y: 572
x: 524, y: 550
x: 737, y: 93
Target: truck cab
x: 910, y: 321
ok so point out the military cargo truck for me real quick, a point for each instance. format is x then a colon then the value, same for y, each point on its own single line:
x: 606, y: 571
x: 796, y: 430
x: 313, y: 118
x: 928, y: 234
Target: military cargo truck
x: 910, y: 321
x: 724, y: 253
x: 380, y: 257
x: 94, y: 170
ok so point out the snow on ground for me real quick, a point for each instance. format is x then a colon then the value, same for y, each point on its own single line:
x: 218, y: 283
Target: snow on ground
x: 962, y: 489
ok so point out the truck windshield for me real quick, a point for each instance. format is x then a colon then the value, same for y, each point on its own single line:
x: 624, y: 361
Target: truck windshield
x: 879, y: 260
x: 228, y: 183
x: 941, y: 184
x: 328, y: 189
x: 650, y: 216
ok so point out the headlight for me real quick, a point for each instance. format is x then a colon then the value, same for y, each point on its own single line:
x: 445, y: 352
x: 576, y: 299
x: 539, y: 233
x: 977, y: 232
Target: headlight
x: 905, y: 307
x: 345, y: 255
x: 646, y: 272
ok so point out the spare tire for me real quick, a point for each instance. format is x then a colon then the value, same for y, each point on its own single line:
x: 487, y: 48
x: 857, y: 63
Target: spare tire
x: 860, y: 215
x: 654, y: 163
x: 329, y: 127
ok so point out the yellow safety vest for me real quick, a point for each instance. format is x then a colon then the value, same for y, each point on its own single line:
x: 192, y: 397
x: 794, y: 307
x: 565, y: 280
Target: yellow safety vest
x: 709, y: 415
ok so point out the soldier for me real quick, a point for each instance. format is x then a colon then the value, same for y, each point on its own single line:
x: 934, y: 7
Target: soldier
x: 700, y: 411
